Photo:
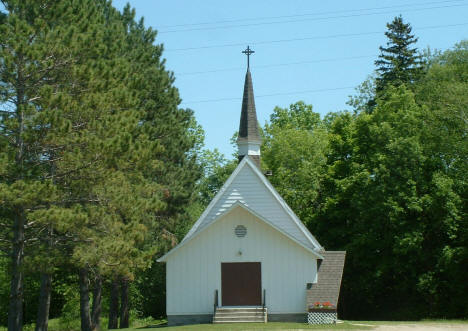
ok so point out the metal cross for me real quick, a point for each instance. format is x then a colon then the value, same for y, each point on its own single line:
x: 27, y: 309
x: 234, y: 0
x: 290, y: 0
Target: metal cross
x: 247, y: 52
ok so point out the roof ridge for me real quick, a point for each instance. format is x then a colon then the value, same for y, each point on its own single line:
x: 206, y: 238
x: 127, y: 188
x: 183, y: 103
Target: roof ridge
x: 247, y: 160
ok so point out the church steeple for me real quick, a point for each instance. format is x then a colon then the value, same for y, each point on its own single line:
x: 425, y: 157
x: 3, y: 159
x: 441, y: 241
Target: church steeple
x: 249, y: 139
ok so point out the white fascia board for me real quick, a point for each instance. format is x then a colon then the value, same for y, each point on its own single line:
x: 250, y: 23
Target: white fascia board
x: 285, y: 206
x: 207, y: 210
x: 256, y: 170
x: 215, y: 199
x: 253, y: 212
x: 239, y: 204
x: 185, y: 241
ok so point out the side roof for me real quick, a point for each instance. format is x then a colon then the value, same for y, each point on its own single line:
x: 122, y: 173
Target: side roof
x: 248, y: 186
x: 329, y: 277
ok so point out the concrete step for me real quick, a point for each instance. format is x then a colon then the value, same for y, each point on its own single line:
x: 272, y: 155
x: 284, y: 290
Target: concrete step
x: 239, y: 310
x: 239, y: 320
x: 236, y: 321
x: 240, y: 315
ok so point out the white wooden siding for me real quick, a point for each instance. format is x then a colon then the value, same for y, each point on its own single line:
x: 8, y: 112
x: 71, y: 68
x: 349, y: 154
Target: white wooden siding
x: 194, y: 271
x: 248, y: 189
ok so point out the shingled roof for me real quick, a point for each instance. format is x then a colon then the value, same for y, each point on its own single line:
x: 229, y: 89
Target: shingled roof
x: 248, y: 127
x: 329, y: 276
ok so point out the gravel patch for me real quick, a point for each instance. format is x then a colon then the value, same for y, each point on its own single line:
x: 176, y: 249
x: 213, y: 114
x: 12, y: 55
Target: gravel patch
x: 422, y: 327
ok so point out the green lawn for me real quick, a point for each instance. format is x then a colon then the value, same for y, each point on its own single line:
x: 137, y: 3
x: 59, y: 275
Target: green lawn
x: 255, y: 326
x: 149, y: 324
x: 346, y: 325
x: 160, y: 325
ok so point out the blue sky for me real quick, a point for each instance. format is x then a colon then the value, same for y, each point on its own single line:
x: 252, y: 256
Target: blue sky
x: 315, y: 51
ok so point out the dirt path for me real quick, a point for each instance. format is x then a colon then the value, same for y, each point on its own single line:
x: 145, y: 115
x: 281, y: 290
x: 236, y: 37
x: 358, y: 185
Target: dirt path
x: 423, y: 327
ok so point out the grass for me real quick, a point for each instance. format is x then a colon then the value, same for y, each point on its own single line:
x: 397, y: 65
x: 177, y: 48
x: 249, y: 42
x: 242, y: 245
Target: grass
x: 257, y: 326
x: 149, y: 324
x: 152, y: 324
x: 346, y: 325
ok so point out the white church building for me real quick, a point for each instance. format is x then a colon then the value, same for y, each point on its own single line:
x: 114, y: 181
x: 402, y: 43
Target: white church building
x: 249, y: 258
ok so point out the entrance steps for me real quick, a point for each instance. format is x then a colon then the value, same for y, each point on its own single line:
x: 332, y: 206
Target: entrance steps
x: 240, y: 315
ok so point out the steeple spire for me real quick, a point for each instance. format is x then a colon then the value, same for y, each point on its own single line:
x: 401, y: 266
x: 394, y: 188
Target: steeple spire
x: 249, y: 139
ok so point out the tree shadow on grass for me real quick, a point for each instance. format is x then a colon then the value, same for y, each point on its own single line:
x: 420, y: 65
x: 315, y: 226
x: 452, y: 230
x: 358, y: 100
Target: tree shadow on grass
x: 154, y: 326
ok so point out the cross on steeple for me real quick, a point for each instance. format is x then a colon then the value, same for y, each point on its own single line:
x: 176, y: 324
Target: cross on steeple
x: 247, y: 52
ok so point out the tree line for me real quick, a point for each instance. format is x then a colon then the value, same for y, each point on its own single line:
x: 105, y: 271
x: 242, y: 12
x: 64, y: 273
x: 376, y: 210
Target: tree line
x: 98, y: 162
x: 101, y: 171
x: 387, y: 181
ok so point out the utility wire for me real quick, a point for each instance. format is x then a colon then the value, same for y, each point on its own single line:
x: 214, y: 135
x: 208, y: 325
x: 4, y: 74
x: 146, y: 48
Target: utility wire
x: 270, y: 95
x: 306, y: 19
x: 277, y: 65
x: 309, y: 14
x: 305, y: 38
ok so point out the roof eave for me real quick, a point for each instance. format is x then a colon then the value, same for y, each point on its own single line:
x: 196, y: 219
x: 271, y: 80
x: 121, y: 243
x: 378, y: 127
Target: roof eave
x: 239, y: 204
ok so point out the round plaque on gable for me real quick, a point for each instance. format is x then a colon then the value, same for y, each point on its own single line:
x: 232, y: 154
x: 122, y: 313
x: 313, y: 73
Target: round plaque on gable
x: 240, y: 231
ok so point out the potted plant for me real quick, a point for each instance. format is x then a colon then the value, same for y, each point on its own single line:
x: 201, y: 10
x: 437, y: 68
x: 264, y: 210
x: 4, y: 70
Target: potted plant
x: 322, y: 307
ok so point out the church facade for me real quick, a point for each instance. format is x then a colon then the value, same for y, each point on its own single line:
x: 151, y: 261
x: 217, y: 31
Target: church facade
x: 248, y: 258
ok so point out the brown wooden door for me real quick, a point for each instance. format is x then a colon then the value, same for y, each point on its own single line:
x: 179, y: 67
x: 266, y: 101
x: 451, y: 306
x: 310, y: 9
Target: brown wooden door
x: 241, y: 284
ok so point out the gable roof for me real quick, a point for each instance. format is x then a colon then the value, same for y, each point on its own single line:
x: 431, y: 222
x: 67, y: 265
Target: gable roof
x: 249, y: 187
x: 239, y: 204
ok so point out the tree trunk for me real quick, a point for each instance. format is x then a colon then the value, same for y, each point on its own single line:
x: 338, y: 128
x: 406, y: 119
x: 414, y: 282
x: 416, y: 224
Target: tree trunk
x: 124, y: 317
x: 42, y: 321
x: 84, y: 300
x: 97, y: 298
x: 114, y: 305
x: 15, y: 314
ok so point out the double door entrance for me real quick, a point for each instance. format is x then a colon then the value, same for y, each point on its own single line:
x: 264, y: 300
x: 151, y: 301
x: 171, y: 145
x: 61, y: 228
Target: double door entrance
x: 241, y: 284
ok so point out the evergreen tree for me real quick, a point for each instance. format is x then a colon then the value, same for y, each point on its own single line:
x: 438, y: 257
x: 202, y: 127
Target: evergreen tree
x: 36, y: 58
x: 90, y: 159
x: 173, y: 165
x: 398, y: 63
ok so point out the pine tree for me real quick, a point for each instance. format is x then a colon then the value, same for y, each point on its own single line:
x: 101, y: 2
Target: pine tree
x: 72, y: 147
x: 398, y: 63
x: 172, y: 167
x: 36, y: 58
x: 96, y: 157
